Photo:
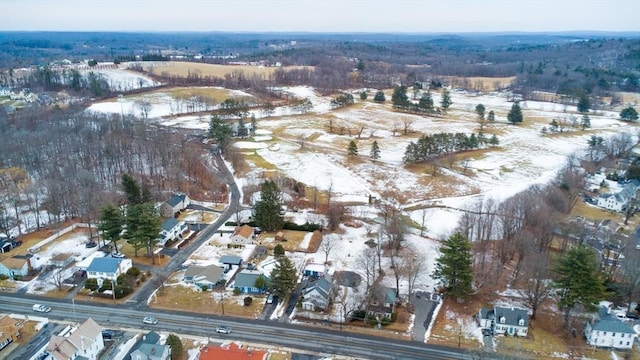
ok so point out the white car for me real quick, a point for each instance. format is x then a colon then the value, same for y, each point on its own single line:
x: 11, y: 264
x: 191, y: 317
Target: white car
x: 150, y: 320
x: 117, y: 255
x: 41, y: 308
x: 223, y: 329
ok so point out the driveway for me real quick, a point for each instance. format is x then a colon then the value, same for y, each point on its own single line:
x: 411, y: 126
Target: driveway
x: 423, y: 306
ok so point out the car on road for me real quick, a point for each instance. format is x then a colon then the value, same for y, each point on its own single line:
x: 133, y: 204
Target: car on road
x: 223, y: 329
x: 150, y: 320
x: 41, y: 308
x: 117, y: 255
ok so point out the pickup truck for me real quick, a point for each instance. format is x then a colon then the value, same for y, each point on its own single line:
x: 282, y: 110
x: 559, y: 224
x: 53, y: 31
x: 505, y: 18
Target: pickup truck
x: 41, y: 308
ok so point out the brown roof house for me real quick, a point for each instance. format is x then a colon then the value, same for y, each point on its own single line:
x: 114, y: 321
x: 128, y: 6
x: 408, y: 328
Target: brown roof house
x: 77, y: 342
x: 242, y: 235
x: 13, y: 267
x: 9, y: 332
x: 62, y: 259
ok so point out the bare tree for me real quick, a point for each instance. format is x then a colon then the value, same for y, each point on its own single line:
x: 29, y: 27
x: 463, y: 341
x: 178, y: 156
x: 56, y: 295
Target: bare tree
x: 327, y: 245
x: 630, y: 274
x: 537, y: 286
x: 366, y: 261
x: 423, y: 217
x: 407, y: 122
x: 56, y: 278
x: 145, y: 107
x: 414, y: 268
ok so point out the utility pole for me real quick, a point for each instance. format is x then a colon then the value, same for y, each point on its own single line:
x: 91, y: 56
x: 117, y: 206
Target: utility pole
x: 73, y: 303
x: 222, y: 302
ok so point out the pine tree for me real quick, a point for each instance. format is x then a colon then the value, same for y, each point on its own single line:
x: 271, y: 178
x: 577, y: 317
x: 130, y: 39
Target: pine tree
x: 578, y: 281
x: 480, y: 111
x: 399, y: 97
x: 111, y: 224
x: 515, y: 114
x: 143, y: 224
x: 242, y: 128
x: 254, y: 124
x: 445, y: 101
x: 219, y: 131
x: 176, y: 346
x: 352, y: 150
x: 379, y: 97
x: 268, y: 207
x: 491, y: 117
x: 494, y: 141
x: 284, y: 277
x: 453, y: 267
x: 375, y: 151
x: 426, y: 102
x: 583, y: 104
x: 363, y: 95
x: 586, y: 122
x: 629, y: 114
x: 132, y: 190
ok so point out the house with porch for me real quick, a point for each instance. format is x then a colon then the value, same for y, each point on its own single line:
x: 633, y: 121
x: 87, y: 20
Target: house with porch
x: 205, y: 277
x: 172, y: 229
x: 318, y: 295
x: 14, y: 267
x: 605, y: 330
x: 245, y: 281
x: 108, y: 268
x: 242, y: 235
x: 174, y: 205
x: 509, y: 321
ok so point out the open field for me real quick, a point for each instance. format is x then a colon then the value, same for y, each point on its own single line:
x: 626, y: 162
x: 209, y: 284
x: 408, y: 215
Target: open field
x: 187, y: 299
x: 181, y: 68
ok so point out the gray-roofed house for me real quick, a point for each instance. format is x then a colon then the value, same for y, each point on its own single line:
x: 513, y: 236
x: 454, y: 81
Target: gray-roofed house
x: 384, y: 303
x: 108, y: 268
x: 85, y: 339
x: 246, y: 279
x: 318, y: 295
x: 174, y: 205
x: 606, y: 330
x: 229, y: 261
x: 510, y: 321
x: 206, y: 277
x: 151, y: 352
x: 172, y: 229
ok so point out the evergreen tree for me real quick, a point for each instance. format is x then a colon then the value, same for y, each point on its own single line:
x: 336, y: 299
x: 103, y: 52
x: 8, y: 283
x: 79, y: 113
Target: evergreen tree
x: 515, y: 114
x: 445, y: 101
x: 268, y: 207
x: 143, y: 224
x: 399, y: 97
x: 278, y: 250
x: 352, y: 150
x: 494, y: 141
x: 453, y: 267
x: 480, y: 111
x: 284, y: 277
x: 586, y: 122
x: 132, y: 190
x: 242, y: 128
x: 220, y: 132
x: 380, y: 97
x: 363, y: 95
x: 176, y: 346
x: 583, y: 104
x: 578, y: 281
x: 491, y: 117
x: 261, y: 283
x: 111, y: 224
x: 426, y: 102
x: 254, y: 124
x: 629, y: 114
x: 375, y: 151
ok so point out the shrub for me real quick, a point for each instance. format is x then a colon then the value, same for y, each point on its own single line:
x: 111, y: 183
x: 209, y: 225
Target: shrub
x: 248, y: 300
x: 278, y: 250
x: 3, y: 277
x: 133, y: 272
x: 304, y: 227
x: 91, y: 284
x: 236, y: 291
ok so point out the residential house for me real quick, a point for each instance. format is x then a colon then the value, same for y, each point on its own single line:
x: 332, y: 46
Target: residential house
x: 9, y: 332
x: 172, y: 229
x: 313, y: 269
x: 229, y: 261
x: 62, y: 259
x: 174, y: 205
x: 384, y: 303
x: 148, y: 348
x: 260, y: 251
x: 14, y: 266
x: 606, y: 330
x: 318, y: 295
x: 231, y: 351
x: 206, y: 277
x: 510, y: 321
x: 82, y: 342
x: 242, y: 235
x: 245, y: 280
x: 618, y: 201
x: 5, y: 91
x: 108, y: 268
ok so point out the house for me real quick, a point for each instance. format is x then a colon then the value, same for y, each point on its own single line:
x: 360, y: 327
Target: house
x: 148, y: 348
x: 246, y: 279
x: 108, y: 268
x: 384, y: 304
x: 318, y: 295
x: 618, y: 201
x: 510, y: 321
x: 231, y: 351
x: 172, y: 229
x: 62, y: 259
x: 14, y: 267
x: 9, y: 332
x: 81, y: 342
x: 313, y: 269
x: 5, y: 91
x: 606, y: 330
x: 203, y: 276
x: 242, y: 235
x: 260, y: 251
x: 229, y: 261
x: 174, y: 205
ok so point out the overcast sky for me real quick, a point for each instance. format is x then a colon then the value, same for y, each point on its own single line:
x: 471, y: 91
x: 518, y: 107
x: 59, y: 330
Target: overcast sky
x: 320, y: 15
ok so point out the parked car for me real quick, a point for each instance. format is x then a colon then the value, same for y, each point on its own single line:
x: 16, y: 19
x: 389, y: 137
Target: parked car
x: 223, y: 329
x: 91, y: 244
x: 150, y: 320
x: 632, y: 315
x: 41, y: 308
x: 271, y: 298
x: 108, y: 334
x: 117, y: 255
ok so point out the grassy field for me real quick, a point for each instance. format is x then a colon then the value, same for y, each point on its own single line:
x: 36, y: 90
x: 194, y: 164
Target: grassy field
x: 178, y: 68
x: 187, y: 299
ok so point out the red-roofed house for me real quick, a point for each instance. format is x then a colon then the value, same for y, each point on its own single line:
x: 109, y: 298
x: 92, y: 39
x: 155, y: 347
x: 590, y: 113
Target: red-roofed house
x: 231, y: 351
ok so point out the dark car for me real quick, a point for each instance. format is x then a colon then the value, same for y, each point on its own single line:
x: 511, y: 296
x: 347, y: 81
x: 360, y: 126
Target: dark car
x: 91, y: 244
x: 487, y: 332
x: 632, y: 315
x: 108, y: 334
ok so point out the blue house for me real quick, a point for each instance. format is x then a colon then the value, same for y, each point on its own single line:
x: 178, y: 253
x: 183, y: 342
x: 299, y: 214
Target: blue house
x: 246, y: 280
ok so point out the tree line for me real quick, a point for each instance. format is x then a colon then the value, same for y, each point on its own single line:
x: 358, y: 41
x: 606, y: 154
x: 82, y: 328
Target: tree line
x: 431, y: 146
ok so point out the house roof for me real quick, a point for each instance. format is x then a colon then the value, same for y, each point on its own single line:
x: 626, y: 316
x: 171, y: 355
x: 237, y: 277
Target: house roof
x: 176, y: 199
x: 230, y: 259
x: 322, y: 285
x: 231, y: 351
x: 63, y: 348
x: 613, y: 324
x: 314, y: 267
x: 105, y: 265
x: 486, y: 313
x: 245, y: 231
x: 211, y: 273
x: 247, y: 278
x: 389, y: 295
x: 169, y: 224
x: 512, y: 315
x: 151, y: 337
x: 152, y: 351
x: 14, y: 263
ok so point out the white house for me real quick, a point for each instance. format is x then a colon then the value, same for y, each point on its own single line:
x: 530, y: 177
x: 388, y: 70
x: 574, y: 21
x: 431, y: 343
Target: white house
x: 12, y: 267
x: 510, y: 321
x: 317, y: 295
x: 242, y: 235
x: 82, y: 342
x: 174, y: 205
x: 108, y: 268
x: 314, y: 269
x: 172, y: 229
x: 606, y: 330
x: 618, y: 201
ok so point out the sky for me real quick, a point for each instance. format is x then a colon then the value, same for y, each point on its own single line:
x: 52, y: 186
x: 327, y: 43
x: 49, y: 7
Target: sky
x: 411, y: 16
